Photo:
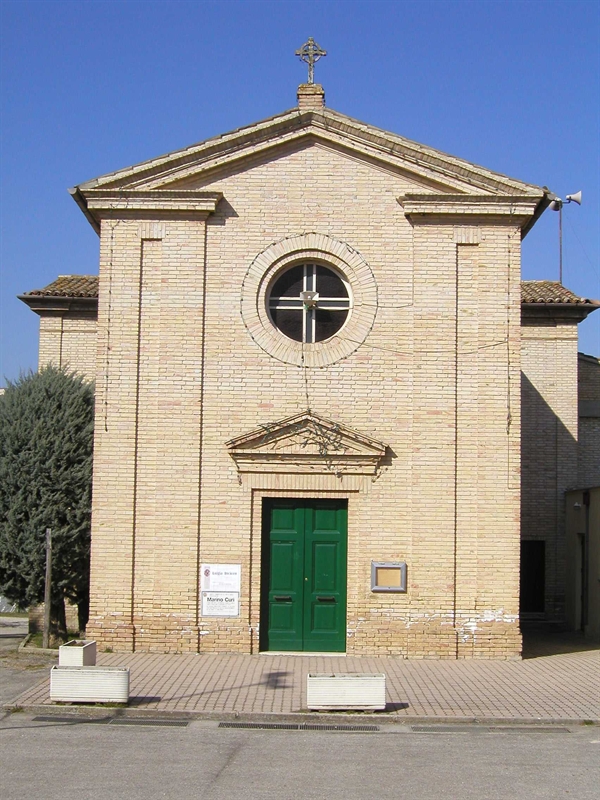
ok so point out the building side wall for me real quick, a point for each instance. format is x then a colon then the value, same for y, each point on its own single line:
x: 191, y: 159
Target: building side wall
x: 583, y: 561
x: 69, y: 340
x: 589, y: 421
x: 549, y: 445
x: 437, y: 381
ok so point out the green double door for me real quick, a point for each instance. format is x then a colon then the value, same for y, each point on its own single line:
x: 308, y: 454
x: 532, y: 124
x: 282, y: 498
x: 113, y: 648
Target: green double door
x: 303, y: 591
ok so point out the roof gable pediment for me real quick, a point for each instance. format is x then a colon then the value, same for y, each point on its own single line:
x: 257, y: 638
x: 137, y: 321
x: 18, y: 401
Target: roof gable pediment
x: 429, y: 167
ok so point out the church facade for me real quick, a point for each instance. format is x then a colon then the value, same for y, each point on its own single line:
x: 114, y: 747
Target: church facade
x: 307, y: 352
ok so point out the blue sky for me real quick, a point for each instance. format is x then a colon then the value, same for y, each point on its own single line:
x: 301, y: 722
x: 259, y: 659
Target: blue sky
x: 90, y: 87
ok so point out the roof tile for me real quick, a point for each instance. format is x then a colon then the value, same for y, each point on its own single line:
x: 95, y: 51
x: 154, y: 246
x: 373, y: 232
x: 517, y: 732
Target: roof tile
x: 69, y: 286
x: 551, y: 292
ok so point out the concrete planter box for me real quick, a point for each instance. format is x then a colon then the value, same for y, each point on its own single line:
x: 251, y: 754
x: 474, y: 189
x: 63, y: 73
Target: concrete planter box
x: 78, y: 653
x: 360, y: 692
x: 89, y: 684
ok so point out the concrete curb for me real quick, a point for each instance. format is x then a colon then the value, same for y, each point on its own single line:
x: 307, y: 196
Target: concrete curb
x: 342, y: 718
x: 35, y: 650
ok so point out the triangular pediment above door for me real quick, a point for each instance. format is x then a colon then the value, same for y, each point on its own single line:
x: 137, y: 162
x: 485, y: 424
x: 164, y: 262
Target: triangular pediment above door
x: 306, y: 443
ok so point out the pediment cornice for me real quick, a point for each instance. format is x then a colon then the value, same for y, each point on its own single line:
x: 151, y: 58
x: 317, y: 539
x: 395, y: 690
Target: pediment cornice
x: 306, y: 443
x: 431, y: 167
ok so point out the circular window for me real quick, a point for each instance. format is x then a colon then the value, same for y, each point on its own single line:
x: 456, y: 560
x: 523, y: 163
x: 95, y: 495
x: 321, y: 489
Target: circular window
x: 309, y: 303
x: 309, y: 289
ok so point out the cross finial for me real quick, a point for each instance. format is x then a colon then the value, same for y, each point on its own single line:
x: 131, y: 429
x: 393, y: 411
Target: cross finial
x: 311, y: 53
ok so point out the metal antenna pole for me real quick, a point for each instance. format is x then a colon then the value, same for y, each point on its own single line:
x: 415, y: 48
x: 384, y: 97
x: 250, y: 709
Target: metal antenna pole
x: 557, y: 205
x: 560, y: 246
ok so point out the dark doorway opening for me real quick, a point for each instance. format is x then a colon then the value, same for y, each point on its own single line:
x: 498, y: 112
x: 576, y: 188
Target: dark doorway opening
x: 533, y: 576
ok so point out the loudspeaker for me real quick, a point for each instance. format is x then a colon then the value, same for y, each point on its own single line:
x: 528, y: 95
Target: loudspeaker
x: 575, y: 198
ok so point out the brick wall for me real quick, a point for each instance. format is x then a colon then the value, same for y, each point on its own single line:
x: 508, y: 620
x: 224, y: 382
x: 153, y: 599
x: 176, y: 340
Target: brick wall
x: 549, y: 443
x: 437, y: 380
x: 69, y: 340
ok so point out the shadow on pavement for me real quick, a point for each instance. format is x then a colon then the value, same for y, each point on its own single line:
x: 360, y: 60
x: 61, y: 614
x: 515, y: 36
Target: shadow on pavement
x: 144, y: 699
x: 275, y: 679
x: 546, y: 639
x: 396, y: 706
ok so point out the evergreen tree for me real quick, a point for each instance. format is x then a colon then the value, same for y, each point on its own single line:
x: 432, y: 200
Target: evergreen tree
x: 46, y: 442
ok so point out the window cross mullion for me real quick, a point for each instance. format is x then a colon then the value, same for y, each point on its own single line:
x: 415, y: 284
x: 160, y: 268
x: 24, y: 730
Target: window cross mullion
x: 320, y: 319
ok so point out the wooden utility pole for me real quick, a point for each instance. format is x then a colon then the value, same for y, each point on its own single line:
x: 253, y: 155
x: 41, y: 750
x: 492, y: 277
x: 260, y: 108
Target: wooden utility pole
x: 47, y: 589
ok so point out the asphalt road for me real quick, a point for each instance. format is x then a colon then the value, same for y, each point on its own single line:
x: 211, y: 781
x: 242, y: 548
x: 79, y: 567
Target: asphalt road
x: 12, y: 631
x: 18, y: 671
x: 53, y: 759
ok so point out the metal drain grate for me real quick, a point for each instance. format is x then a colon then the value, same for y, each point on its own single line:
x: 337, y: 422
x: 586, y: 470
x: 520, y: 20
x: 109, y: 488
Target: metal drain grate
x: 305, y: 726
x: 156, y: 723
x: 361, y: 728
x: 264, y: 726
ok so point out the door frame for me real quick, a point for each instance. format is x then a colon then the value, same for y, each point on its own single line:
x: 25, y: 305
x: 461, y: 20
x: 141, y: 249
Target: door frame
x: 262, y: 502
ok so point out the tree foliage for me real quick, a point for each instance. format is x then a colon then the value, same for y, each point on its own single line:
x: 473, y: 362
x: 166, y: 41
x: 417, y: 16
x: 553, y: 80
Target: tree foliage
x: 46, y: 442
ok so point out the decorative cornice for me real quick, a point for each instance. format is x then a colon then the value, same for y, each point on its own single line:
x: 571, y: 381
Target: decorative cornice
x: 100, y: 203
x: 518, y: 207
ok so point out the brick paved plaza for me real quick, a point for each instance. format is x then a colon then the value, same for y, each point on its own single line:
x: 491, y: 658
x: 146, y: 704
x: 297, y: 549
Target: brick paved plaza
x: 559, y: 687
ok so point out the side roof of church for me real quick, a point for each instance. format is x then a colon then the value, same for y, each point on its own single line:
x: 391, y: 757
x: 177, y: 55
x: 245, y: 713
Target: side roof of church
x: 536, y: 294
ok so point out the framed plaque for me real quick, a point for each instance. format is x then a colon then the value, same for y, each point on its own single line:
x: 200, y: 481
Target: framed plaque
x: 388, y: 576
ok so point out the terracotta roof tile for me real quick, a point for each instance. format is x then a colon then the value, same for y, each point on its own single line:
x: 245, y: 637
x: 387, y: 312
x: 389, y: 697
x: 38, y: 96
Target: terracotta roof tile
x: 69, y: 286
x: 550, y: 292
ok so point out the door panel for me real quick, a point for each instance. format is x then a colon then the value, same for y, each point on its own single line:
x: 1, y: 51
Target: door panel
x: 285, y: 557
x: 324, y: 619
x: 324, y: 561
x: 303, y: 602
x: 325, y: 570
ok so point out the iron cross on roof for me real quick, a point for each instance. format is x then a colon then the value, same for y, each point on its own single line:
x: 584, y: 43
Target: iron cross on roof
x: 311, y: 53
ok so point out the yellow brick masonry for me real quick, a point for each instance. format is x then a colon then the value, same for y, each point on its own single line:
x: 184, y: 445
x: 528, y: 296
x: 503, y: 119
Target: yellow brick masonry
x: 549, y: 444
x: 437, y: 380
x: 148, y: 436
x: 69, y: 340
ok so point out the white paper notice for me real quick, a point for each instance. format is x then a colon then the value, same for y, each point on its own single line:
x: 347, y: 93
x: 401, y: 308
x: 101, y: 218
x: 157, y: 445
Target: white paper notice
x: 221, y: 577
x: 220, y: 604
